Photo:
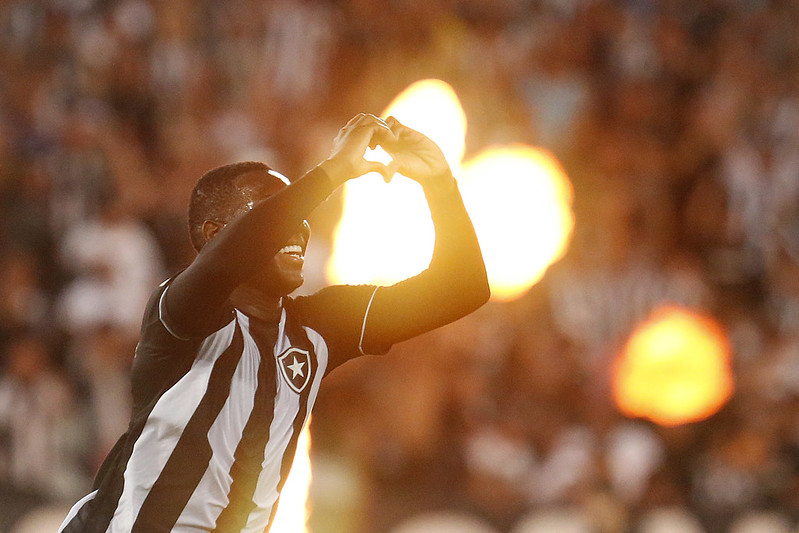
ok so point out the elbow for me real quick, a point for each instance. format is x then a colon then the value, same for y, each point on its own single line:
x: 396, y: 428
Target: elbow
x: 475, y: 291
x: 482, y: 290
x: 486, y: 295
x: 461, y: 280
x: 473, y: 285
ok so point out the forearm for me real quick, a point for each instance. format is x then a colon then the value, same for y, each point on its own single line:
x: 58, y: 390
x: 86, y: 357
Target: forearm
x: 242, y: 247
x: 454, y: 285
x: 457, y: 264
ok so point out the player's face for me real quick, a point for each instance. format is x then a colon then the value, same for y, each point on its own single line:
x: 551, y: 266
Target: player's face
x: 284, y: 272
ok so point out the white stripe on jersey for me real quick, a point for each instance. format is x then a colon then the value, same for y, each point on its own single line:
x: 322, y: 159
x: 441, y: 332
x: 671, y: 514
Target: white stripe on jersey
x: 164, y: 427
x: 75, y: 508
x: 173, y: 412
x: 211, y: 495
x: 320, y: 347
x: 287, y: 405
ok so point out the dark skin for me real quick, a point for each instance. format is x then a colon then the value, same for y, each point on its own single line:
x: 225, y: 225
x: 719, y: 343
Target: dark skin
x: 260, y: 295
x: 253, y: 271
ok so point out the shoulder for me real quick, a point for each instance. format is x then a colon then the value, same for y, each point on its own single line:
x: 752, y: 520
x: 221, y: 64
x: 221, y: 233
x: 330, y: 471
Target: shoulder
x: 337, y: 313
x: 333, y: 300
x: 160, y: 354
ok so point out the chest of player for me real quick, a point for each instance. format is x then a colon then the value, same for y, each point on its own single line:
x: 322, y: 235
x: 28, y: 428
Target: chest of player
x: 279, y: 354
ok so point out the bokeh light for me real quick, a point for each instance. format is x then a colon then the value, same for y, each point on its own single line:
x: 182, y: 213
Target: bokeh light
x: 292, y: 511
x: 518, y: 196
x: 674, y: 369
x: 385, y: 233
x: 433, y: 108
x: 519, y: 199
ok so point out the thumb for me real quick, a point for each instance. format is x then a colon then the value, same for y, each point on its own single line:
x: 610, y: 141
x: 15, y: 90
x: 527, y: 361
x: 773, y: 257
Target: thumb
x: 380, y: 168
x: 392, y: 168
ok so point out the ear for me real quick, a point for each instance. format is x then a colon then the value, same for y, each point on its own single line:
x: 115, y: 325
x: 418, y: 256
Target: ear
x: 210, y: 228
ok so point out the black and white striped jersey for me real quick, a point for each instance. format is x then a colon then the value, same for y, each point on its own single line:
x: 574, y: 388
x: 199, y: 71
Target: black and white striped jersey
x: 216, y: 420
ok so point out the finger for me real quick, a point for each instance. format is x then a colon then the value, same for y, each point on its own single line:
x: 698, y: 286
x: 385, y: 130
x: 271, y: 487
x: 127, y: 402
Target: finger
x: 398, y: 127
x: 406, y: 135
x: 373, y: 118
x: 348, y: 127
x: 392, y: 121
x: 357, y: 118
x: 380, y: 133
x: 384, y: 136
x: 380, y: 168
x: 402, y: 164
x: 367, y: 119
x: 368, y: 134
x: 392, y: 169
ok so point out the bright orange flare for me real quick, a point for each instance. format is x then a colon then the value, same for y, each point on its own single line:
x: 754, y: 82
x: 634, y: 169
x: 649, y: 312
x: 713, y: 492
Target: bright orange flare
x: 432, y: 107
x: 519, y: 199
x: 385, y: 233
x: 292, y: 511
x: 675, y: 369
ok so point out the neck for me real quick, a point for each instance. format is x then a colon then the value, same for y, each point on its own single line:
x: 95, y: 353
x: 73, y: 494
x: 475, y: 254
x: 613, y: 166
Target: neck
x: 255, y: 303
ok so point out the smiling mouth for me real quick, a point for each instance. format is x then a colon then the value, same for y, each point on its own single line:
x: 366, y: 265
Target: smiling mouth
x: 292, y: 249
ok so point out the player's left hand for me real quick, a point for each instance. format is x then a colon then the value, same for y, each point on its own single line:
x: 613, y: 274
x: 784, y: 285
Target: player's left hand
x: 416, y: 156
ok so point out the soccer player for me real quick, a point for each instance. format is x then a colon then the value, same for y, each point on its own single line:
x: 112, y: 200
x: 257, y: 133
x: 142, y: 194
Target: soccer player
x: 228, y: 366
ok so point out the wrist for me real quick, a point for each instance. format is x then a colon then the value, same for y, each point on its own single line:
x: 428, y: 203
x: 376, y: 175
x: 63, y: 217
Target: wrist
x: 442, y: 183
x: 319, y: 182
x: 336, y: 171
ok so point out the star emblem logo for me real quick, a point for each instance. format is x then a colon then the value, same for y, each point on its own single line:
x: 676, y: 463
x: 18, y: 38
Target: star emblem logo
x: 295, y: 366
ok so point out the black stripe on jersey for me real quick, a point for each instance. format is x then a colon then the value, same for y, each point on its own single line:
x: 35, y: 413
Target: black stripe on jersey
x: 79, y: 523
x: 192, y: 454
x: 299, y: 338
x: 96, y: 514
x: 102, y: 507
x: 249, y: 453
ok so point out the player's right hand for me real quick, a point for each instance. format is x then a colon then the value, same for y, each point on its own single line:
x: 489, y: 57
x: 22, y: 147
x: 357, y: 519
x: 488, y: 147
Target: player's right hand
x: 346, y: 160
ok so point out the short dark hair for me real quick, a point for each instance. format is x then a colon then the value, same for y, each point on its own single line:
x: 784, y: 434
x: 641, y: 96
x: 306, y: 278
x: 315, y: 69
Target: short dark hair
x: 216, y: 197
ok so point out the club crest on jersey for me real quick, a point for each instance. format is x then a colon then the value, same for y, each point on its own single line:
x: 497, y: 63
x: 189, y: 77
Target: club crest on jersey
x: 295, y: 365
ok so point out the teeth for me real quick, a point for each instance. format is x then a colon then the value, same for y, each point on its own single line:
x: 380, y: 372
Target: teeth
x: 291, y: 249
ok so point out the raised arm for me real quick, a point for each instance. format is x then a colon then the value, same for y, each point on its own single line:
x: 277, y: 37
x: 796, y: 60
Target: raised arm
x: 455, y: 283
x: 245, y: 244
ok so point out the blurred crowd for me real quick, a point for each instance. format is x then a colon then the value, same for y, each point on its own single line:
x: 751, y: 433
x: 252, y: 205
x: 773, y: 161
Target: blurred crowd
x: 676, y: 120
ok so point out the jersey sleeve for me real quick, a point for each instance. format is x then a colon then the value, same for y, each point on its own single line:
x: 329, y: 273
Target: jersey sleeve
x: 453, y: 285
x: 366, y: 319
x: 339, y: 313
x: 161, y: 355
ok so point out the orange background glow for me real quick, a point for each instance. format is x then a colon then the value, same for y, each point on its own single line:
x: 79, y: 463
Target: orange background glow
x: 518, y: 196
x: 674, y: 369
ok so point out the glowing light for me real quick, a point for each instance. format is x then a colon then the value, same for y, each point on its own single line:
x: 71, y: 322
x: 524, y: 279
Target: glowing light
x: 385, y: 233
x: 674, y: 369
x: 519, y: 199
x: 518, y: 196
x: 292, y: 511
x: 433, y: 108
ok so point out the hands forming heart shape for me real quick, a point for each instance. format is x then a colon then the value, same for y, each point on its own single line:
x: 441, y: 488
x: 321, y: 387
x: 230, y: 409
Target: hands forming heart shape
x: 518, y: 196
x: 410, y: 153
